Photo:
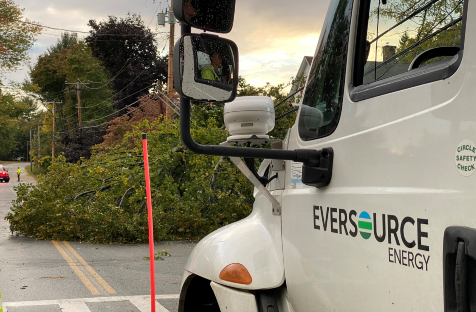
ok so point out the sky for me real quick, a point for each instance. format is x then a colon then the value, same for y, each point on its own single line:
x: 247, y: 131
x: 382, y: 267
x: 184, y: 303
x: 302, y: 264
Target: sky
x: 273, y: 36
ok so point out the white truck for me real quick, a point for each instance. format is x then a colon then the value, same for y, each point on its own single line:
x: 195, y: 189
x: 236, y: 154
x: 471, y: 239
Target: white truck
x: 374, y: 204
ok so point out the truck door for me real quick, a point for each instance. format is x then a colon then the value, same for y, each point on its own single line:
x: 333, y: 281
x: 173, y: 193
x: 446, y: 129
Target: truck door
x: 392, y: 91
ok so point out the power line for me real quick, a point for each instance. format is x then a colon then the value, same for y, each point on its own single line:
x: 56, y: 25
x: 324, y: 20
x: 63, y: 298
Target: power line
x: 115, y: 102
x: 122, y: 69
x: 125, y: 65
x: 112, y: 79
x: 68, y: 30
x: 155, y: 14
x: 119, y: 93
x: 148, y: 87
x: 88, y: 121
x: 128, y: 86
x: 173, y: 107
x: 128, y: 107
x: 169, y: 100
x: 96, y: 126
x: 133, y: 40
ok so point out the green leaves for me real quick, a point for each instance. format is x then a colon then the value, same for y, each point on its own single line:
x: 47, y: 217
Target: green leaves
x: 126, y: 57
x: 13, y: 121
x: 69, y: 64
x: 103, y: 199
x: 16, y: 38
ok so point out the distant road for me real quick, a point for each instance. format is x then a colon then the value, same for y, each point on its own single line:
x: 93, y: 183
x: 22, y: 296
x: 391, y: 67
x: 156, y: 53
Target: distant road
x: 44, y: 276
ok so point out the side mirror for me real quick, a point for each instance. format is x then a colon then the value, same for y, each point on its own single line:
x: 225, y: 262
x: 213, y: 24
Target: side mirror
x: 310, y: 120
x: 211, y: 15
x: 206, y: 68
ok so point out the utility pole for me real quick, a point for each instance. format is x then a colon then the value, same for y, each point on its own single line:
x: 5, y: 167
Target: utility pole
x: 78, y: 92
x: 54, y: 123
x: 170, y: 87
x: 79, y: 103
x: 53, y: 142
x: 27, y: 150
x: 39, y: 145
x: 31, y: 161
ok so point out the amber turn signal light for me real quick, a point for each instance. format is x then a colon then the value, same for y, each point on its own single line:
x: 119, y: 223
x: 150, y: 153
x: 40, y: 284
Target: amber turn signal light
x: 236, y: 273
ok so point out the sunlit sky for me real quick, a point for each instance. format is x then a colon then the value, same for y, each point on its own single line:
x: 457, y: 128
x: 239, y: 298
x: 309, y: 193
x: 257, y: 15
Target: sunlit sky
x: 273, y: 36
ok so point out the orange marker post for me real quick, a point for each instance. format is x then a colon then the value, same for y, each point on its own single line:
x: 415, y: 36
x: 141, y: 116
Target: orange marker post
x: 151, y: 223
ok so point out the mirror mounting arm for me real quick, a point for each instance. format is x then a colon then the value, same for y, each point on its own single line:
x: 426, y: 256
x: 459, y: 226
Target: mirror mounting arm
x: 317, y: 165
x: 310, y: 158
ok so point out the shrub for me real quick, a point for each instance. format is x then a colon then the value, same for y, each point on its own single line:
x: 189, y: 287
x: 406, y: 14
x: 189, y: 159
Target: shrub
x: 103, y: 199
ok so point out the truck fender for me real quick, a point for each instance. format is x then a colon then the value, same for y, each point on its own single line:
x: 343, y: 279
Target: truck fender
x: 255, y: 242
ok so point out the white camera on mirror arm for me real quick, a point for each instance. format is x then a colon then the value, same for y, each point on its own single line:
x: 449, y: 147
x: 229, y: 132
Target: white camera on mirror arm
x: 249, y: 119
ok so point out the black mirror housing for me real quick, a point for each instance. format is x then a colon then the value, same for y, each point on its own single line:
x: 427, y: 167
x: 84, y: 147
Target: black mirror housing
x: 210, y: 15
x: 206, y: 68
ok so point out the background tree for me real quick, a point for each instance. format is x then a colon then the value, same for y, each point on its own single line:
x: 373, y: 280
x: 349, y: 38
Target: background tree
x: 128, y: 51
x: 67, y: 61
x: 66, y: 41
x: 102, y: 199
x: 18, y: 113
x: 10, y: 111
x: 80, y: 144
x: 151, y: 107
x: 49, y: 71
x: 15, y: 37
x: 31, y: 115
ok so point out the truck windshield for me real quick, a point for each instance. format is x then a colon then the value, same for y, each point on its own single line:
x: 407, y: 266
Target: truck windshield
x: 323, y: 95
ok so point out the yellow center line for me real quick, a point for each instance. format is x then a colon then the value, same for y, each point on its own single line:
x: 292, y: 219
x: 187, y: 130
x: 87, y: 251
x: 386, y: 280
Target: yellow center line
x: 98, y: 278
x: 76, y: 270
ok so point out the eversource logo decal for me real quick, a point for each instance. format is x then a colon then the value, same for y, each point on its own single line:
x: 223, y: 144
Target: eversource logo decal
x: 365, y: 225
x: 409, y: 232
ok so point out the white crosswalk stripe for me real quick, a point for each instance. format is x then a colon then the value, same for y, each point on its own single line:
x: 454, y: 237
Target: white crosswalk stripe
x: 142, y: 303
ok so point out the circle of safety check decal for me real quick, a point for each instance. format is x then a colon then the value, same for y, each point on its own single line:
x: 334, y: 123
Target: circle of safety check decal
x: 465, y: 157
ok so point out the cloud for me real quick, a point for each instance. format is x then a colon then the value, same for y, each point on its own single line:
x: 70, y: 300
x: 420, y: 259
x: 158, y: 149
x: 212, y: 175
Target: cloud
x: 276, y: 35
x: 273, y: 36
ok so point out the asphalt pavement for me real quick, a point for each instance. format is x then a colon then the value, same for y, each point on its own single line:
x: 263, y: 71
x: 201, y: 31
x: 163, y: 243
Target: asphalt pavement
x: 37, y: 276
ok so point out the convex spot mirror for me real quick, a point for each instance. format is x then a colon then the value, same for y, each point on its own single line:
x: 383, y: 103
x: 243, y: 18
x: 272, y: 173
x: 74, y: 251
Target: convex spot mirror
x: 210, y: 15
x: 206, y: 68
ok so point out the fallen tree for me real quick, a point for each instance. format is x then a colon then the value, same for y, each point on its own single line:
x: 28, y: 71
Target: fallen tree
x: 103, y: 199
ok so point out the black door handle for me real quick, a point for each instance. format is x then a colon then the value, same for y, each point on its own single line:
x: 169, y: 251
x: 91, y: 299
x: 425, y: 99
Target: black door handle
x: 459, y: 269
x: 461, y: 279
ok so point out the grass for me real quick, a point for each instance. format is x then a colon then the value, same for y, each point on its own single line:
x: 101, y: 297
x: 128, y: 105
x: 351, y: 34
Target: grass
x: 36, y: 171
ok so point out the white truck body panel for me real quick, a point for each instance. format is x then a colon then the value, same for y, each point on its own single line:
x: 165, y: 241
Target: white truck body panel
x: 254, y: 242
x: 373, y: 239
x: 394, y: 155
x: 233, y: 300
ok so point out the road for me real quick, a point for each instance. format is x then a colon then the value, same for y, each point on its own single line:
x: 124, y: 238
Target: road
x: 45, y: 276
